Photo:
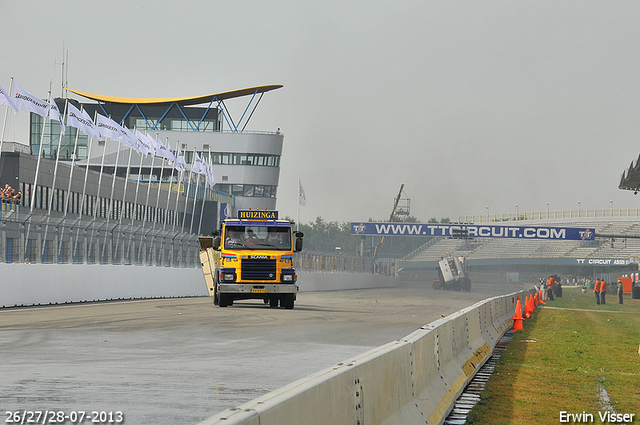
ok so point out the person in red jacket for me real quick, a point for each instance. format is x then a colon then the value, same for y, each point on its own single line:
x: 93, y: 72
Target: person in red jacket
x: 603, y: 291
x: 596, y: 290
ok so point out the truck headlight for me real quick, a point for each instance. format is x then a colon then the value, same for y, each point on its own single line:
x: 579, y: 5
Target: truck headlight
x: 288, y: 276
x: 227, y: 274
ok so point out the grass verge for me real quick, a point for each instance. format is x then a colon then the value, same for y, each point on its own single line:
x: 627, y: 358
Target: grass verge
x: 560, y: 360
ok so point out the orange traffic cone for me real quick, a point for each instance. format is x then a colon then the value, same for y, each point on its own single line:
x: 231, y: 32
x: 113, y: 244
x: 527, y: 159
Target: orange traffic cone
x: 542, y: 298
x: 517, y: 317
x: 527, y: 307
x: 536, y: 299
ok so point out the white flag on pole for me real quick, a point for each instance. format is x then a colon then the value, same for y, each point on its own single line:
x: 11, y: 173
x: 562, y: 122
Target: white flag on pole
x: 302, y: 197
x: 143, y: 144
x: 164, y: 152
x: 181, y: 163
x: 108, y: 128
x: 25, y: 100
x: 210, y: 175
x: 198, y: 166
x: 81, y: 121
x: 129, y: 140
x: 5, y: 99
x: 54, y: 114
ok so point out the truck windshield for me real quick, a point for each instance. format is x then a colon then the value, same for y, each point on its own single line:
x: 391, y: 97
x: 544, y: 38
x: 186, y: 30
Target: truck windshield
x: 257, y: 238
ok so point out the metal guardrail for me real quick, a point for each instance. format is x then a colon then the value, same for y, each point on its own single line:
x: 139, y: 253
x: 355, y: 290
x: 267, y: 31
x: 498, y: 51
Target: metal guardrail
x: 326, y: 262
x: 552, y: 215
x: 38, y: 240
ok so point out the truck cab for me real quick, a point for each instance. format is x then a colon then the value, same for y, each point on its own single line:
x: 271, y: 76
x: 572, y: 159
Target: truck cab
x: 453, y: 274
x: 251, y: 257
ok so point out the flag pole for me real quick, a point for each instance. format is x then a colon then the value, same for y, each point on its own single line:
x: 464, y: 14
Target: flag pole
x: 135, y: 201
x: 55, y: 168
x: 55, y: 174
x: 146, y: 204
x: 181, y: 176
x: 298, y: 208
x: 32, y: 192
x: 97, y: 203
x: 113, y: 186
x: 208, y: 189
x: 186, y: 191
x: 206, y: 185
x: 40, y: 151
x: 156, y: 214
x: 84, y: 186
x: 166, y: 216
x: 73, y: 160
x: 193, y: 210
x: 4, y: 125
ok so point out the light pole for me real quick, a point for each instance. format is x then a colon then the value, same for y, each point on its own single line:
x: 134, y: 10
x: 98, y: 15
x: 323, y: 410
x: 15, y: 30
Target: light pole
x: 611, y: 207
x: 547, y: 210
x: 487, y: 213
x: 516, y: 212
x: 578, y: 209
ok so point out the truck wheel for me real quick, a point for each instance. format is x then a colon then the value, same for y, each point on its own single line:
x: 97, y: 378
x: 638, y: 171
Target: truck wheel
x: 287, y: 301
x: 273, y: 302
x: 223, y: 300
x: 215, y: 291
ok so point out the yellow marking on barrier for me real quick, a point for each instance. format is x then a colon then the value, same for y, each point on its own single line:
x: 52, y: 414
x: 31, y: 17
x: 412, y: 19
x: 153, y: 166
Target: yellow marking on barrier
x: 472, y: 363
x: 447, y: 399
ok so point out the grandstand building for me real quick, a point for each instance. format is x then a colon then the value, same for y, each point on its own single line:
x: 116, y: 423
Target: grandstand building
x: 614, y: 252
x: 91, y: 201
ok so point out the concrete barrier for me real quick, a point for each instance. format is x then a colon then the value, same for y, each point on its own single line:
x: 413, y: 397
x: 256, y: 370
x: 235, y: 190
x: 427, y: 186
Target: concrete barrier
x: 42, y: 284
x: 327, y: 281
x: 412, y: 380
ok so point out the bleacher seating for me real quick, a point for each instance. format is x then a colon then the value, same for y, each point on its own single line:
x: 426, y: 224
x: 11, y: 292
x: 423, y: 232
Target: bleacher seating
x: 488, y: 248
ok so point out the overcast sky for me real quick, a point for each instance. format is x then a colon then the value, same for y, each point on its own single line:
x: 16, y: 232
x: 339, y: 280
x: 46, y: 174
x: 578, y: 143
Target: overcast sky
x: 469, y: 104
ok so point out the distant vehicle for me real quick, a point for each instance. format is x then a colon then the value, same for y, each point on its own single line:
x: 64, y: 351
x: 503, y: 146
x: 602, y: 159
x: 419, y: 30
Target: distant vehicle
x: 453, y: 273
x: 251, y: 257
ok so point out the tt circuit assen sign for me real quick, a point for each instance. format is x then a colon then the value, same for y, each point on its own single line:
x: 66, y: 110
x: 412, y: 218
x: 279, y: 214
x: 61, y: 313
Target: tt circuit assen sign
x: 472, y: 231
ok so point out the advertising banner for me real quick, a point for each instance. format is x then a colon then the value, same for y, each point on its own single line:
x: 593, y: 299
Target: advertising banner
x: 472, y: 231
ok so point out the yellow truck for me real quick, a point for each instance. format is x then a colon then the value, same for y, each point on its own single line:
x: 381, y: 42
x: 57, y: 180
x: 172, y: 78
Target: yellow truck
x: 251, y: 257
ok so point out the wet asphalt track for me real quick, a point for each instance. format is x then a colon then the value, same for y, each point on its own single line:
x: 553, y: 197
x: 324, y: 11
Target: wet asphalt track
x: 172, y: 361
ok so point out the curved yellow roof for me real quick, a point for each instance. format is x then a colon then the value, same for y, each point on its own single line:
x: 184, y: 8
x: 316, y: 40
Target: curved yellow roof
x: 194, y: 100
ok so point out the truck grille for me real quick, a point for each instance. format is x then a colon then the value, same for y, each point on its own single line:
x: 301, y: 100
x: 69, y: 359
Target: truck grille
x: 259, y: 270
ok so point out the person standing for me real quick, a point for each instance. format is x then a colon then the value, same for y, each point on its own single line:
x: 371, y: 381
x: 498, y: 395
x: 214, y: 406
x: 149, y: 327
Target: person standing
x: 603, y: 291
x: 620, y: 298
x: 551, y: 283
x: 596, y: 290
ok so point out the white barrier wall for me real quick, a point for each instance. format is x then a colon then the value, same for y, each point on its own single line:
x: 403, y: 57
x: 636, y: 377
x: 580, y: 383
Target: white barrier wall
x: 41, y: 284
x: 320, y: 281
x: 412, y: 380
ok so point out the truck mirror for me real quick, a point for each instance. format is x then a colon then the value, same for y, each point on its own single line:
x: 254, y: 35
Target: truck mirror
x: 216, y: 243
x: 298, y: 244
x: 298, y: 234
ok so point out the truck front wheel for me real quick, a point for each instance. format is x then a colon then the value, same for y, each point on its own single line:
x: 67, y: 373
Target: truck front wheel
x: 287, y: 301
x: 215, y: 290
x: 224, y: 300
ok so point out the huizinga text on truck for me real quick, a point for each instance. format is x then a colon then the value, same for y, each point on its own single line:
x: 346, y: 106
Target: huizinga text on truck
x: 251, y: 257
